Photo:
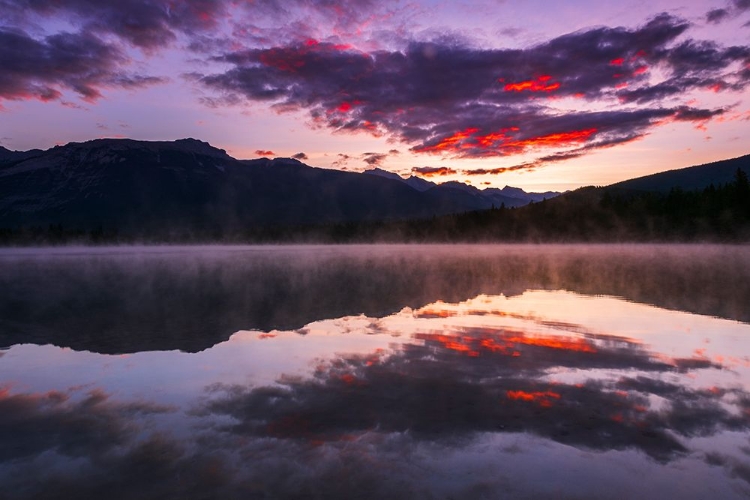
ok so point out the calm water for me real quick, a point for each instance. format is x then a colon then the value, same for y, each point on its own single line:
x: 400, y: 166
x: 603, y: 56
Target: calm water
x: 375, y: 372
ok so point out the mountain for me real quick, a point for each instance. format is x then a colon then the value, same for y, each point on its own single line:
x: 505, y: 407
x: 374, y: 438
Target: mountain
x: 188, y: 190
x: 518, y: 193
x: 189, y: 187
x: 689, y: 178
x: 510, y: 196
x: 413, y: 181
x: 8, y: 155
x: 418, y: 183
x: 384, y: 173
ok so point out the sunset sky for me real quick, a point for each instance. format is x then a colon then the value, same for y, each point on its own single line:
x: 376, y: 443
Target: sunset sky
x: 535, y: 94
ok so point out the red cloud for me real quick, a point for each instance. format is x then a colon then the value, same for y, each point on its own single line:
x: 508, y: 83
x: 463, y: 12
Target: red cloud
x: 501, y: 142
x: 538, y: 85
x: 264, y: 152
x: 433, y: 171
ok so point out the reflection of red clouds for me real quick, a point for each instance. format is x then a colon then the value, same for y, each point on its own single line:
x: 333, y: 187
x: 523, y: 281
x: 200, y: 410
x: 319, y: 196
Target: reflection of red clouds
x: 617, y: 62
x: 375, y: 358
x: 436, y: 313
x: 505, y: 343
x: 451, y: 342
x: 640, y: 70
x: 570, y: 344
x: 266, y: 336
x: 544, y: 399
x: 538, y: 85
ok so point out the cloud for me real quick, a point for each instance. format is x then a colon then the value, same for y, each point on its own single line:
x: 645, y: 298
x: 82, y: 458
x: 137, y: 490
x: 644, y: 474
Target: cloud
x: 203, y: 26
x: 43, y: 69
x: 374, y: 159
x: 715, y: 16
x: 147, y: 24
x: 496, y: 171
x: 300, y: 156
x: 735, y: 8
x: 264, y: 152
x: 451, y: 99
x: 433, y: 171
x: 341, y: 161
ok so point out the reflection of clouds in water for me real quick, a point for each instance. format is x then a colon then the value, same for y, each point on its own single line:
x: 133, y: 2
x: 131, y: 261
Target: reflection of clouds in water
x: 66, y: 423
x: 412, y: 418
x: 191, y: 298
x: 95, y: 448
x: 446, y: 386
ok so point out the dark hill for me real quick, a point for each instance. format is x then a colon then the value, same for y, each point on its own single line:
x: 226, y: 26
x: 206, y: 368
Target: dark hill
x: 690, y: 178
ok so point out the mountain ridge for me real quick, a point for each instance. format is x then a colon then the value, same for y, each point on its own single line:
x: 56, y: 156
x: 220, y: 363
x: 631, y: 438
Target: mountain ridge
x: 188, y: 186
x: 188, y: 190
x: 688, y: 178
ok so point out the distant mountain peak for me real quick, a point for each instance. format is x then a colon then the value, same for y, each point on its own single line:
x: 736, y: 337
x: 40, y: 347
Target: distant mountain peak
x: 187, y: 145
x: 413, y: 182
x: 384, y: 173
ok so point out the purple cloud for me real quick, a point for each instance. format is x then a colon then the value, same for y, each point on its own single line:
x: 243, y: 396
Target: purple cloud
x: 715, y: 16
x: 42, y: 69
x: 148, y: 24
x: 447, y: 98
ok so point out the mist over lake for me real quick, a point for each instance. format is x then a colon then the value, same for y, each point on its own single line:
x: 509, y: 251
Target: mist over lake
x: 375, y: 371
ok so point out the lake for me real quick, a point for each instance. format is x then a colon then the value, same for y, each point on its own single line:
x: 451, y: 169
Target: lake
x: 382, y: 371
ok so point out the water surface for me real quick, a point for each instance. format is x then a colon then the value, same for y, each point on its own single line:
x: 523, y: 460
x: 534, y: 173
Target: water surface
x: 375, y: 372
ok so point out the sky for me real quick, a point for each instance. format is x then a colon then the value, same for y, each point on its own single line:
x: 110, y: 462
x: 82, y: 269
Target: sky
x: 534, y: 94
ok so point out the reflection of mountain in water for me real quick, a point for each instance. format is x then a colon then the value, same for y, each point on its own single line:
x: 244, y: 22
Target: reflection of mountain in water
x: 115, y: 301
x: 436, y: 391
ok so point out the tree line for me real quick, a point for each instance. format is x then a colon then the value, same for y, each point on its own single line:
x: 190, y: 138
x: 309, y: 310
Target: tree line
x: 591, y: 214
